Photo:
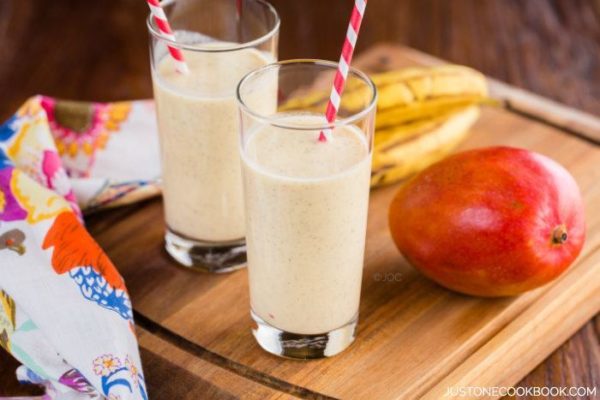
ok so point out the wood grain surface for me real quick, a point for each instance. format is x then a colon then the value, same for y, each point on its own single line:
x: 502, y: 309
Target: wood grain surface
x: 98, y: 51
x: 414, y: 339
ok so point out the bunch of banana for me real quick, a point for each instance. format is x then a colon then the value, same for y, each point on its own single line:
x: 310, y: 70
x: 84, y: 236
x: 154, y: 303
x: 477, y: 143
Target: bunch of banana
x: 423, y: 113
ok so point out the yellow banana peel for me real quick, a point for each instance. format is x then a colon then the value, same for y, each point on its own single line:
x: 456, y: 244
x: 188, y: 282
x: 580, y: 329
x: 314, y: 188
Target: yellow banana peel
x: 423, y: 113
x: 395, y: 160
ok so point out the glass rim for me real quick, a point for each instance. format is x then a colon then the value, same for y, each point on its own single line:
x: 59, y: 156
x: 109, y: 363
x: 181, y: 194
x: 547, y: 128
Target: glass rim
x: 206, y: 49
x: 275, y: 121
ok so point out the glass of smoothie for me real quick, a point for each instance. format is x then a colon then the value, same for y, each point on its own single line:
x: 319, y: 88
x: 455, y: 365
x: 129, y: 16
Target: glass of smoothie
x: 221, y: 41
x: 306, y: 205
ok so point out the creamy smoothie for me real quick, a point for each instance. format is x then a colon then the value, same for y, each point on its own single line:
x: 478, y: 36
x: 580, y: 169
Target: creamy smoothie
x: 306, y: 214
x: 198, y: 125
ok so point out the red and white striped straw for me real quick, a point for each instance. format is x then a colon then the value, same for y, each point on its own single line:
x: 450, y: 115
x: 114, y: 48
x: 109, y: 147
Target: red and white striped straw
x: 165, y: 29
x: 343, y: 66
x: 239, y: 6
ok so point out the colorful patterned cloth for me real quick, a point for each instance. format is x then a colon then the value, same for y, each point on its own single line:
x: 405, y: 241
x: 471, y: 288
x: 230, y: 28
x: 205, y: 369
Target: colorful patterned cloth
x: 102, y: 154
x: 65, y: 313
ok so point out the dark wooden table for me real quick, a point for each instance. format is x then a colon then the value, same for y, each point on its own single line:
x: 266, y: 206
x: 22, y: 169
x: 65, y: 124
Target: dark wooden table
x: 98, y: 51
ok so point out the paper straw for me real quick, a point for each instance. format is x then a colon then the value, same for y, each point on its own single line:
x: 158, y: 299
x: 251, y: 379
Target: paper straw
x: 165, y: 29
x: 239, y: 5
x: 343, y: 66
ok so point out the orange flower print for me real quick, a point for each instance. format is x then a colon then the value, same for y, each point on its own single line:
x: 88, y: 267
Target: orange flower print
x: 106, y: 365
x: 114, y: 373
x: 74, y: 247
x: 76, y: 252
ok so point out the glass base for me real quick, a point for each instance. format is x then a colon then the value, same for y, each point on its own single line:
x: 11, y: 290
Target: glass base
x: 303, y: 346
x: 206, y: 256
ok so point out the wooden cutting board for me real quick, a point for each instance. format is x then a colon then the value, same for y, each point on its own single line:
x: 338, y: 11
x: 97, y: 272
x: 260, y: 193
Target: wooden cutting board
x: 415, y: 339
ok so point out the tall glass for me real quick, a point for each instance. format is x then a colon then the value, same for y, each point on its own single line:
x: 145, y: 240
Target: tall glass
x: 306, y: 205
x: 198, y: 123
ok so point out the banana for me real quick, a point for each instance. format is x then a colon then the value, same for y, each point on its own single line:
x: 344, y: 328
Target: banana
x: 420, y: 85
x: 423, y: 113
x: 403, y: 132
x: 415, y: 86
x: 311, y: 101
x: 433, y: 108
x: 394, y: 160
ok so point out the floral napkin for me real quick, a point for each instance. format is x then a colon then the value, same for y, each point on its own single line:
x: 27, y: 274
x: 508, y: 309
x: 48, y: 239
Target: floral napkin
x: 101, y: 154
x: 65, y: 313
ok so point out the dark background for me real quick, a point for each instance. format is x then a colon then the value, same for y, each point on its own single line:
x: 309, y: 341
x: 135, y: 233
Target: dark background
x: 97, y: 50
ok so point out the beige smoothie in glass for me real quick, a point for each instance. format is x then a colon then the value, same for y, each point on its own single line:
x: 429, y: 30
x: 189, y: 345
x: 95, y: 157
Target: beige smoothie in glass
x: 198, y: 125
x: 306, y: 202
x: 305, y: 272
x: 220, y: 41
